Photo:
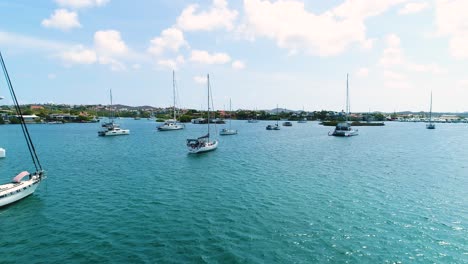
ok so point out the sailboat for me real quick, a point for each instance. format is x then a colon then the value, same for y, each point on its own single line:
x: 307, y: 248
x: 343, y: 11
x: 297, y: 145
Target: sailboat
x: 430, y: 125
x: 111, y: 128
x: 25, y: 183
x: 255, y: 119
x: 302, y: 119
x: 275, y: 126
x: 230, y: 131
x: 203, y: 143
x: 172, y: 124
x: 344, y: 129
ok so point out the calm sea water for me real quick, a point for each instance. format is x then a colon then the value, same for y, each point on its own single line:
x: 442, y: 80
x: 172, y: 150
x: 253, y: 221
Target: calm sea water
x: 397, y: 193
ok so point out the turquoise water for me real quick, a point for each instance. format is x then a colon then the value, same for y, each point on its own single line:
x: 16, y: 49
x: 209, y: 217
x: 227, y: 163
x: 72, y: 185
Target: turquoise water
x: 397, y: 193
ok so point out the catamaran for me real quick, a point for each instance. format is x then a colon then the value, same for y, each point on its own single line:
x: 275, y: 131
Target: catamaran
x: 430, y: 125
x: 344, y: 129
x: 111, y: 128
x: 203, y: 144
x: 172, y: 124
x: 25, y: 183
x: 228, y: 131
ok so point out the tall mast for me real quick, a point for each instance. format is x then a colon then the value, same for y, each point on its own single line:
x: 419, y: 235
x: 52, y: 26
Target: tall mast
x: 111, y: 108
x: 347, y: 98
x: 230, y: 113
x: 173, y: 92
x: 430, y: 111
x: 277, y: 114
x: 208, y: 115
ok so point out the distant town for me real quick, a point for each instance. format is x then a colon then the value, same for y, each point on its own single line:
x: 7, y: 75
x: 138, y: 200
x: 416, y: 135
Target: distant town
x: 63, y: 113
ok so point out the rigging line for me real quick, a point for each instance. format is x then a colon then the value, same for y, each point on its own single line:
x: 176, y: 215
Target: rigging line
x: 26, y: 134
x: 214, y: 113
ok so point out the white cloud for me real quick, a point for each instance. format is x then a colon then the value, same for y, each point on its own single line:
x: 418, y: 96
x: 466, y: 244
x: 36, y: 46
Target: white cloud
x: 297, y: 30
x: 30, y: 43
x: 413, y: 7
x: 172, y: 64
x: 238, y: 65
x: 109, y: 42
x: 200, y: 79
x: 76, y: 4
x: 362, y: 72
x: 203, y: 57
x: 218, y: 17
x: 395, y: 80
x: 171, y: 39
x: 51, y: 76
x: 62, y: 19
x: 394, y: 57
x: 136, y: 66
x: 451, y: 22
x: 78, y: 55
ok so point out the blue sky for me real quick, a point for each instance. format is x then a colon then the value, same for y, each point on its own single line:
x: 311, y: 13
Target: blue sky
x: 260, y: 53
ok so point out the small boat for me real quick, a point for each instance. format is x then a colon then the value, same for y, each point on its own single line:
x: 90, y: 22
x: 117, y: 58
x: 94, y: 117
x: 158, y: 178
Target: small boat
x: 252, y: 121
x: 203, y: 144
x: 228, y: 131
x: 287, y: 123
x: 172, y: 124
x: 430, y: 125
x: 111, y: 128
x: 25, y: 183
x: 344, y: 129
x: 275, y: 126
x: 137, y: 118
x: 301, y: 121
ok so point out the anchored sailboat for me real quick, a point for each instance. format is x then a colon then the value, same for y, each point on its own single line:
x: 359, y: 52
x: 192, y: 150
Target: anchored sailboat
x: 203, y: 144
x: 344, y: 129
x: 275, y: 126
x: 172, y: 124
x: 111, y: 128
x: 430, y: 125
x: 18, y: 188
x: 228, y: 131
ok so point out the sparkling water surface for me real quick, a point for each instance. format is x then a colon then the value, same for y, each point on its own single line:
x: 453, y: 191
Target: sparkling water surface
x: 397, y: 193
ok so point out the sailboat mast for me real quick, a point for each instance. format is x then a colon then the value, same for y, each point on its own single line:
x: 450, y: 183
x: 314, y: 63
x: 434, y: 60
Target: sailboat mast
x: 430, y: 111
x: 208, y: 115
x: 277, y: 115
x: 173, y: 92
x: 111, y: 107
x: 230, y: 113
x: 347, y: 97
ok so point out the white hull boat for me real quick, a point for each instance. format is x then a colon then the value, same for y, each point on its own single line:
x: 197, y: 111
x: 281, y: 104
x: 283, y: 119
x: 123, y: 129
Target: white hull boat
x: 227, y: 132
x: 170, y: 125
x: 114, y: 132
x: 344, y: 129
x: 200, y: 147
x: 19, y: 189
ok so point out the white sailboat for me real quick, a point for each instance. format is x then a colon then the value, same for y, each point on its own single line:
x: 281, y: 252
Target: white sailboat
x: 303, y: 119
x: 344, y: 129
x: 172, y: 124
x: 275, y: 126
x: 25, y: 183
x: 111, y: 128
x: 228, y: 131
x: 203, y: 144
x: 430, y: 125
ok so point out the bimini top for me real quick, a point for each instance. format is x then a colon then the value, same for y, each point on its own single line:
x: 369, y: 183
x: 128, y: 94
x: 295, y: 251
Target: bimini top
x: 20, y: 176
x: 198, y: 139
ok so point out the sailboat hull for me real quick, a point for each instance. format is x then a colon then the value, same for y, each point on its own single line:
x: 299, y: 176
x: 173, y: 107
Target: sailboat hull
x: 170, y: 127
x: 208, y: 147
x: 13, y: 192
x: 227, y: 132
x: 345, y: 133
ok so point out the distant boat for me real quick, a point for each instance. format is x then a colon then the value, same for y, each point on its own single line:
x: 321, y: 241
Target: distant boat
x: 228, y: 131
x: 18, y: 188
x: 255, y: 119
x: 111, y: 128
x: 287, y: 123
x: 430, y: 125
x: 172, y: 124
x: 344, y: 129
x: 203, y: 143
x: 303, y: 120
x: 275, y: 126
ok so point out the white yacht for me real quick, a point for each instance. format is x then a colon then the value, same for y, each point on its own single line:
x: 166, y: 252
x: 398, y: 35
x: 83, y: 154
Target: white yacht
x: 172, y: 124
x: 203, y: 144
x: 344, y: 129
x: 110, y: 128
x: 19, y: 187
x: 275, y: 126
x: 228, y: 131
